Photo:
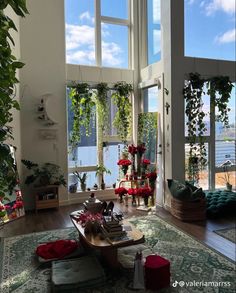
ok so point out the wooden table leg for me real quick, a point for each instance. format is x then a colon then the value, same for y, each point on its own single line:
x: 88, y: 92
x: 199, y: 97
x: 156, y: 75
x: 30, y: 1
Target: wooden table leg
x: 110, y: 257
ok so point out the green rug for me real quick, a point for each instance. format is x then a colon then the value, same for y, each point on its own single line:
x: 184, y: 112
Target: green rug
x: 228, y: 233
x: 191, y: 262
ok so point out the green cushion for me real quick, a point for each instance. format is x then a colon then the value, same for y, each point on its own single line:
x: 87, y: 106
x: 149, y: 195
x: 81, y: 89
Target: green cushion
x: 184, y: 190
x: 220, y: 202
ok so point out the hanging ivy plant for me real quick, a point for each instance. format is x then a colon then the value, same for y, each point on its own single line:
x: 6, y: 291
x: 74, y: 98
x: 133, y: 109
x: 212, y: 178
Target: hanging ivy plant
x: 122, y: 120
x: 82, y: 105
x: 102, y: 107
x: 219, y: 88
x: 8, y: 67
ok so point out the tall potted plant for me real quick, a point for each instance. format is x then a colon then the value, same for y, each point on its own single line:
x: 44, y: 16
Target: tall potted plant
x: 8, y: 68
x: 101, y: 169
x: 82, y: 179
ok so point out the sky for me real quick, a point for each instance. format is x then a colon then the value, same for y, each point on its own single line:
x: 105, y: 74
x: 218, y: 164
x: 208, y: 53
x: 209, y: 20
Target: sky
x: 209, y: 33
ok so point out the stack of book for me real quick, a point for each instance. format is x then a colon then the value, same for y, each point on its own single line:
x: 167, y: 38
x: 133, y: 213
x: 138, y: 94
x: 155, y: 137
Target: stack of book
x: 112, y: 228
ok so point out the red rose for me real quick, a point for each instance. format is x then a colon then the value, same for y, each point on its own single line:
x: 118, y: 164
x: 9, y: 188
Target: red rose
x: 132, y: 191
x: 132, y: 149
x: 146, y: 162
x: 121, y: 191
x: 152, y: 176
x: 141, y: 149
x: 124, y: 162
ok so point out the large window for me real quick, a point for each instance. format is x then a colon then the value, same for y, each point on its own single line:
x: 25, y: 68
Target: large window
x: 220, y: 146
x: 154, y: 30
x: 210, y: 29
x: 97, y: 34
x: 95, y: 149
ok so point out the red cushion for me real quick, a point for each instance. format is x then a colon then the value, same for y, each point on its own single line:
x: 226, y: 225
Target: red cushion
x: 157, y: 272
x: 56, y: 249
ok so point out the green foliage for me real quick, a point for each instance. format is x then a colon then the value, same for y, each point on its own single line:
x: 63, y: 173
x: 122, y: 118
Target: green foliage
x: 83, y: 107
x: 219, y: 88
x: 44, y: 174
x: 8, y: 67
x: 102, y: 108
x: 122, y: 120
x: 81, y: 177
x: 101, y: 169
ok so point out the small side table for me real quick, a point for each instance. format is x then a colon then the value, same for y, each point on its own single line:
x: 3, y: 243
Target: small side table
x: 46, y: 197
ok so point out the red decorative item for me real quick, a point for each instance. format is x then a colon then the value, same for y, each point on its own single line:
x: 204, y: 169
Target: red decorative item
x: 124, y: 162
x: 141, y: 149
x: 157, y: 272
x: 121, y: 191
x: 57, y: 249
x: 132, y: 149
x: 146, y: 162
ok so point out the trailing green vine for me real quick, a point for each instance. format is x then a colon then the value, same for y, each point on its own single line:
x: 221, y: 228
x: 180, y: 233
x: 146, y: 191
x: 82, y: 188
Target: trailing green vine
x: 122, y: 120
x: 8, y: 67
x: 219, y: 88
x: 83, y: 108
x: 102, y: 107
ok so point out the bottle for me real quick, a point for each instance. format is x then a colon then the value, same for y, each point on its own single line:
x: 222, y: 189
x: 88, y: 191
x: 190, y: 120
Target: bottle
x: 138, y: 282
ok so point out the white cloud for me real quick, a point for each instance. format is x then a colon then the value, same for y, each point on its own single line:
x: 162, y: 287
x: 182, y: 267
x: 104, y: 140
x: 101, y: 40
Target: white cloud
x: 86, y: 16
x: 227, y: 37
x: 111, y: 54
x: 80, y: 45
x: 227, y: 6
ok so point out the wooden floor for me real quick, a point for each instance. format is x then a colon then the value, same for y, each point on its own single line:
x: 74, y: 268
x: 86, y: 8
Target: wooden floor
x: 55, y: 219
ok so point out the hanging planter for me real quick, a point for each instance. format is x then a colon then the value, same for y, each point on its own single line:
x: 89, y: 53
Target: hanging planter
x: 83, y: 109
x: 122, y: 120
x: 219, y: 88
x: 102, y: 107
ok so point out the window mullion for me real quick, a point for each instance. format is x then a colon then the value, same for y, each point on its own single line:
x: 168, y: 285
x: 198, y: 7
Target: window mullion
x: 98, y: 38
x: 211, y: 145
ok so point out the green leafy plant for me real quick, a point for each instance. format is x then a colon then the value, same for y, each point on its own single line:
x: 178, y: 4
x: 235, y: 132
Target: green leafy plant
x: 82, y: 177
x: 83, y: 108
x: 8, y: 80
x: 44, y: 174
x: 102, y: 107
x: 219, y: 88
x: 101, y: 169
x: 122, y: 120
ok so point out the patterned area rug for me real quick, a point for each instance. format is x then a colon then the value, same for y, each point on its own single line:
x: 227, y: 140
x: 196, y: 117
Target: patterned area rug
x: 228, y: 233
x: 191, y: 262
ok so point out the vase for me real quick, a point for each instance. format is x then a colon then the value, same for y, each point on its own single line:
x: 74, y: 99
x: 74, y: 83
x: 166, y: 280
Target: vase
x: 126, y: 200
x: 133, y: 200
x: 145, y: 199
x: 121, y: 198
x: 228, y: 186
x: 83, y: 186
x: 125, y: 169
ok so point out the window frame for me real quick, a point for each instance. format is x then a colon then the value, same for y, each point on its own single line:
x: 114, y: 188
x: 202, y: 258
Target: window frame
x: 99, y: 19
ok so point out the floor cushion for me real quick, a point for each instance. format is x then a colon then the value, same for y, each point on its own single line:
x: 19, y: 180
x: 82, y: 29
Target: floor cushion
x: 71, y: 275
x: 220, y: 202
x: 126, y: 255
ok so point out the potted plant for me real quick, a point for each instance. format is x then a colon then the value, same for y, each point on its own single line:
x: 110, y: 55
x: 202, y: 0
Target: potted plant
x: 44, y: 174
x: 101, y: 169
x: 226, y: 178
x: 82, y: 179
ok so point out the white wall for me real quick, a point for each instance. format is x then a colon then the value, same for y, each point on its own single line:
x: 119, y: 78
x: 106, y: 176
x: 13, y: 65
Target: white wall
x: 43, y: 51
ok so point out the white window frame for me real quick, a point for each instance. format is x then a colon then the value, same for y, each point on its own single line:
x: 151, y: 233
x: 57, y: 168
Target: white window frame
x: 99, y: 19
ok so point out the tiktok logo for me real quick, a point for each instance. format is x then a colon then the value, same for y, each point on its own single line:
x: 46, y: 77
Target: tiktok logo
x: 175, y: 284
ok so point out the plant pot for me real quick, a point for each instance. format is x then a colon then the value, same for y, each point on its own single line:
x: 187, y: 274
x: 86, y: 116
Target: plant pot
x: 95, y: 186
x: 145, y: 199
x: 73, y: 188
x: 229, y: 186
x: 83, y: 187
x: 103, y: 185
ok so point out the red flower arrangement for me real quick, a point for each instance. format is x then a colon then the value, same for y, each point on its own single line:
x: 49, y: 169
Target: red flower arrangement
x: 132, y: 191
x: 144, y: 191
x: 18, y: 205
x: 124, y: 162
x: 89, y: 217
x: 141, y: 149
x: 152, y: 176
x: 121, y: 191
x: 132, y: 149
x: 146, y: 162
x: 2, y: 208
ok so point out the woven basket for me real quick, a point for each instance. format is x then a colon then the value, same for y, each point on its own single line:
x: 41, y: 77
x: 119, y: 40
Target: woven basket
x: 189, y: 210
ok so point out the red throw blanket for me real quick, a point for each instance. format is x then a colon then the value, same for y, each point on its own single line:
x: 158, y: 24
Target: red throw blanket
x: 56, y: 249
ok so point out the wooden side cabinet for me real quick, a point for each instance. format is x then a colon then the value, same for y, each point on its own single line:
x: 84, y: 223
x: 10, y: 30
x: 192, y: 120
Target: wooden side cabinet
x: 46, y: 197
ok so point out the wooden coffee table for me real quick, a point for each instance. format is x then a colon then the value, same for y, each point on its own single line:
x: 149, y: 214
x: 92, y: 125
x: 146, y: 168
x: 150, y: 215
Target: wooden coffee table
x: 108, y: 247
